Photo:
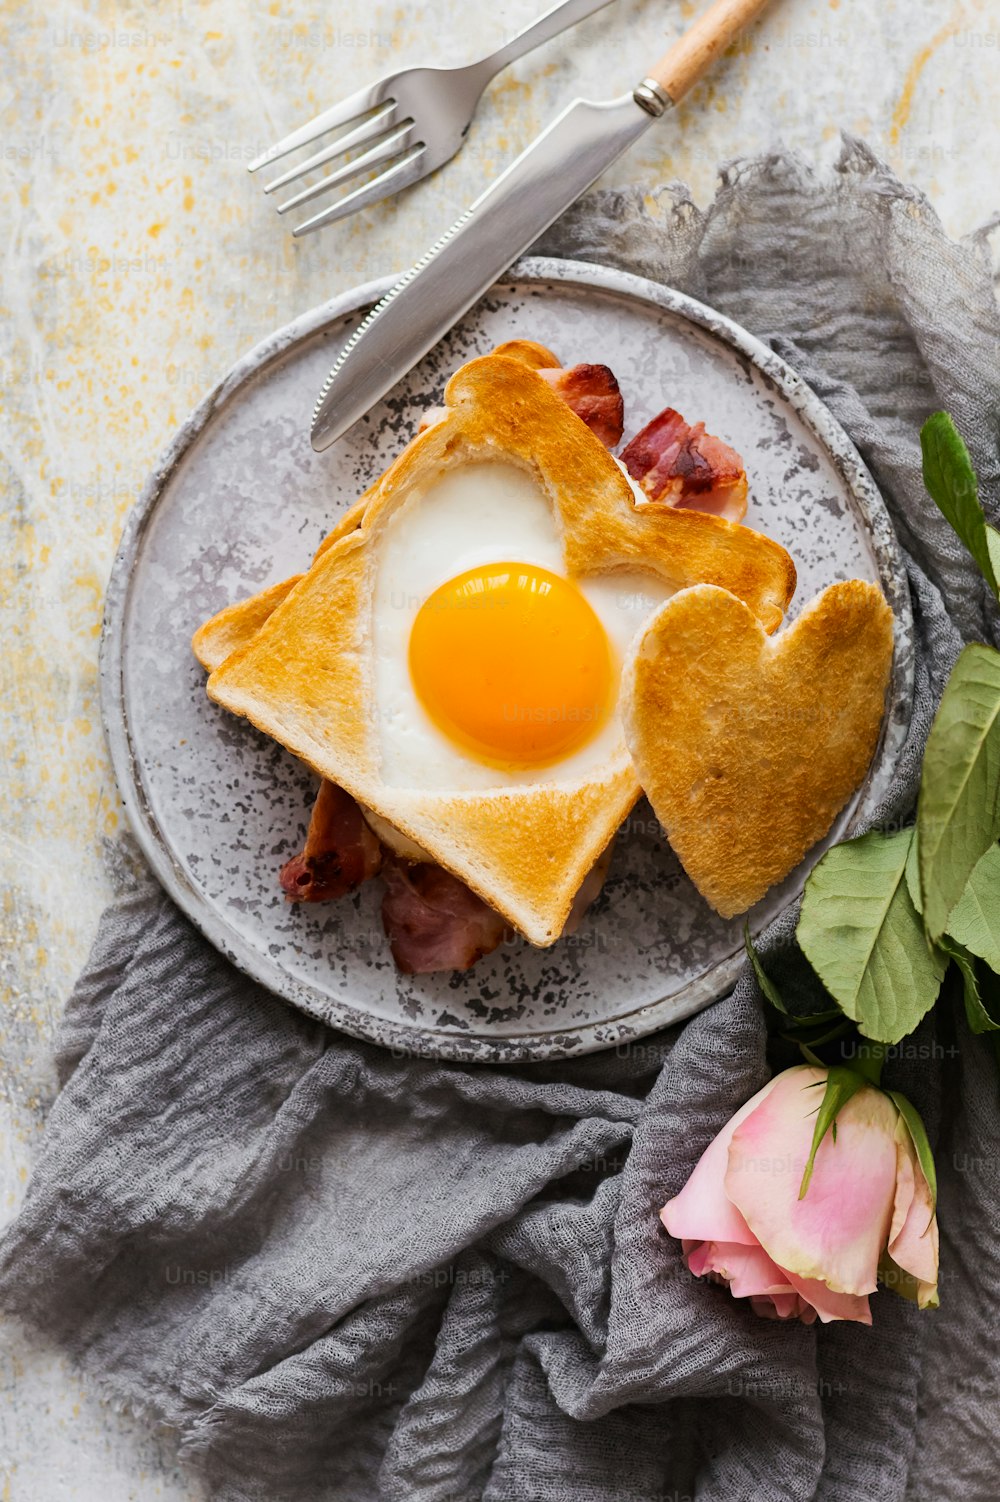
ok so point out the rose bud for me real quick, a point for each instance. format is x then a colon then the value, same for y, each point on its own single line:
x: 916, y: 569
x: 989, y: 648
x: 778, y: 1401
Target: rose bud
x: 802, y: 1219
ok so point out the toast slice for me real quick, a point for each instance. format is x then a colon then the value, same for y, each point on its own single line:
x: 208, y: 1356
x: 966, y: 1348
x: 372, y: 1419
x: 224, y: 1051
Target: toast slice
x: 237, y: 623
x: 748, y: 746
x: 306, y: 676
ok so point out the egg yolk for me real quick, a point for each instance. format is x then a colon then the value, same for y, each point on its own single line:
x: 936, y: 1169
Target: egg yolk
x: 511, y: 663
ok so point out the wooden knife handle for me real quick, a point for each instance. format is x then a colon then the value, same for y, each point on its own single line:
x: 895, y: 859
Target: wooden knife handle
x: 694, y: 53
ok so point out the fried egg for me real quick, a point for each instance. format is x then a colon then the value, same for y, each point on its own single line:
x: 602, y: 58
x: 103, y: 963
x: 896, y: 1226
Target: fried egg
x: 492, y: 666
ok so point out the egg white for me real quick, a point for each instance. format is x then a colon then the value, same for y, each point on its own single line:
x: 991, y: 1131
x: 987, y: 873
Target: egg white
x: 478, y: 513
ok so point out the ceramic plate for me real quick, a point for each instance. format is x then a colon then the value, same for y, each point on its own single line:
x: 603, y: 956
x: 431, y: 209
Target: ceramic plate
x: 240, y: 500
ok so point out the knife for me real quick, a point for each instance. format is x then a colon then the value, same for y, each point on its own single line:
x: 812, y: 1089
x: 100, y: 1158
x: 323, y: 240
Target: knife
x: 509, y: 217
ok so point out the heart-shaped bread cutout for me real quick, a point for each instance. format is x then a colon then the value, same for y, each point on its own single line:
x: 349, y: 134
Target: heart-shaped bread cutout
x: 748, y: 746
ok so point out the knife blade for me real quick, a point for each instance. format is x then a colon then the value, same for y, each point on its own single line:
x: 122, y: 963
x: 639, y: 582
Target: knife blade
x: 500, y: 225
x: 535, y: 189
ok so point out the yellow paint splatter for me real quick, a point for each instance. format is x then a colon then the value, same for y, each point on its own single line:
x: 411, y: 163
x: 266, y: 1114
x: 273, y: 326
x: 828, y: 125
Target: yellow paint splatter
x: 901, y: 114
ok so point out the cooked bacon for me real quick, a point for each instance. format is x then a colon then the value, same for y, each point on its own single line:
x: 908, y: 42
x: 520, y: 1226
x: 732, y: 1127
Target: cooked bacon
x: 594, y: 395
x: 340, y: 850
x: 686, y: 467
x: 434, y: 921
x: 590, y: 391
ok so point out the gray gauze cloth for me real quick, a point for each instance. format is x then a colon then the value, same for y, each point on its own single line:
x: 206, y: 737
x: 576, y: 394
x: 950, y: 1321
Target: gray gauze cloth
x: 339, y: 1274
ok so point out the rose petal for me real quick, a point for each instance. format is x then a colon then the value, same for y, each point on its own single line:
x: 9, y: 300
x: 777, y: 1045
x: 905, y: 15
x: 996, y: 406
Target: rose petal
x: 913, y: 1235
x: 702, y: 1211
x: 905, y: 1180
x: 834, y: 1236
x: 784, y: 1306
x: 830, y: 1305
x: 700, y: 1257
x: 752, y: 1273
x: 748, y: 1269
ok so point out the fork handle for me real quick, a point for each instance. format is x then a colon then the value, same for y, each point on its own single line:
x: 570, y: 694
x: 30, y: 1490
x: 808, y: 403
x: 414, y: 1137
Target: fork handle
x: 680, y: 68
x: 543, y: 30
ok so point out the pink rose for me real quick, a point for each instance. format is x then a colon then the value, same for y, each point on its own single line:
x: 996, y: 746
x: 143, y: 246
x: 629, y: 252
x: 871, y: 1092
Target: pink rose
x: 739, y: 1216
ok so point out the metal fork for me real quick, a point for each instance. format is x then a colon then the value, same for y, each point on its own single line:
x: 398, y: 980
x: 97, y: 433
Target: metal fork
x: 411, y: 122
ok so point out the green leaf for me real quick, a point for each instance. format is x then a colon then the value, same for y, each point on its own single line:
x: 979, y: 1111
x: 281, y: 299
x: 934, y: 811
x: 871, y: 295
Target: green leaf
x: 913, y: 874
x: 862, y: 935
x: 975, y: 921
x: 958, y: 812
x: 993, y: 548
x: 765, y: 982
x: 918, y: 1136
x: 806, y: 1041
x: 807, y: 1033
x: 841, y: 1084
x: 951, y: 481
x: 980, y: 1005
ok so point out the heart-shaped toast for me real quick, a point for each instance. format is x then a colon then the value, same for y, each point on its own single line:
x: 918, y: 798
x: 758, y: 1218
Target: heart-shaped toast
x: 749, y: 745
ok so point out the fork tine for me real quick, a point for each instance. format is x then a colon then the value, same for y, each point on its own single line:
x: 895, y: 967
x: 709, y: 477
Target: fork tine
x: 371, y: 128
x: 397, y: 141
x: 393, y: 180
x: 338, y: 114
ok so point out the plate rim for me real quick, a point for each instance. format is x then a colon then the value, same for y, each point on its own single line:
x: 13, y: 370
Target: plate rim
x: 420, y: 1040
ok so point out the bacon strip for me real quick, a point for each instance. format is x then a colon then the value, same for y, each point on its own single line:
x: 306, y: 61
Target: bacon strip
x: 434, y: 921
x: 686, y: 467
x: 339, y: 854
x: 593, y: 393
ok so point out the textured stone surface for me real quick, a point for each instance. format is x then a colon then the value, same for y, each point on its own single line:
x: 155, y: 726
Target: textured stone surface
x: 140, y: 261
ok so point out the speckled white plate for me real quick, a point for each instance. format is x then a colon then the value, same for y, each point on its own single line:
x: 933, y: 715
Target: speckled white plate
x: 240, y: 500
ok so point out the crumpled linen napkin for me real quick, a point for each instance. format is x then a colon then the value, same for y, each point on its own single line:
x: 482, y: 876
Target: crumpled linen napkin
x: 343, y: 1275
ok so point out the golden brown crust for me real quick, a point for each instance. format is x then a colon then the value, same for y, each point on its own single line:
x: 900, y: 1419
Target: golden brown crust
x: 236, y: 624
x: 306, y: 676
x: 606, y: 529
x: 349, y: 522
x: 748, y: 747
x: 233, y: 626
x: 529, y: 352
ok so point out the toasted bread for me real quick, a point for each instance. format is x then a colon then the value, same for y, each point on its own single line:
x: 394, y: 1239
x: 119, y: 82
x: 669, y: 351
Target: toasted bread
x: 237, y: 623
x: 748, y: 746
x: 306, y: 676
x: 234, y: 626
